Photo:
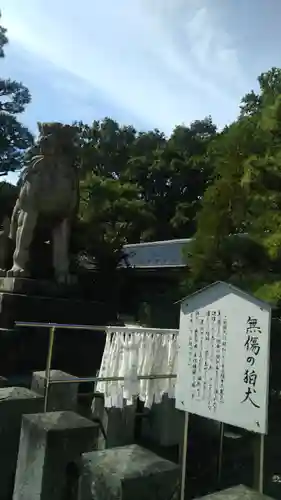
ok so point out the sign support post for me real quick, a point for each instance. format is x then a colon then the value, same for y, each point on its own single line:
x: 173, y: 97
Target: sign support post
x: 184, y: 456
x: 258, y: 450
x: 220, y: 457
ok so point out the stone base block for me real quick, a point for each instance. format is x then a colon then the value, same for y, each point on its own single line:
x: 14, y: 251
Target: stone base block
x: 61, y: 397
x: 28, y: 286
x: 3, y: 382
x: 14, y: 402
x: 118, y: 424
x: 50, y: 446
x: 76, y: 351
x: 165, y: 423
x: 46, y: 309
x: 240, y: 492
x: 127, y: 472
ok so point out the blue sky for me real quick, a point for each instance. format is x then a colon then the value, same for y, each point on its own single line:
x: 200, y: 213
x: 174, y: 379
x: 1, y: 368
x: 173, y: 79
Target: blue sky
x: 150, y: 63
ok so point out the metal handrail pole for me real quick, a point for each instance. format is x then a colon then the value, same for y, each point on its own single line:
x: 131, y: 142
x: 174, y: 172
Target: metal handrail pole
x: 48, y: 367
x: 59, y: 325
x: 83, y: 380
x: 106, y: 329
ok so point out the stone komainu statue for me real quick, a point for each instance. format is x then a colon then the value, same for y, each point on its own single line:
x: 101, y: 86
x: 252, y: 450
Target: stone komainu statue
x: 49, y: 192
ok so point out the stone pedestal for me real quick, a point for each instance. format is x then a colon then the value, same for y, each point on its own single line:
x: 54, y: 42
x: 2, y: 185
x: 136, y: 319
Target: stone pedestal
x: 48, y: 309
x: 126, y: 473
x: 164, y: 424
x: 28, y: 286
x: 50, y: 446
x: 118, y: 424
x: 240, y: 492
x: 61, y: 397
x: 75, y: 351
x: 14, y: 402
x: 3, y: 382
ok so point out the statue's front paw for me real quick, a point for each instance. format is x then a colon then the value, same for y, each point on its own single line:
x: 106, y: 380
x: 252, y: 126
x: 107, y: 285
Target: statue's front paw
x: 2, y: 273
x: 62, y: 279
x: 17, y: 272
x: 66, y: 279
x: 72, y: 279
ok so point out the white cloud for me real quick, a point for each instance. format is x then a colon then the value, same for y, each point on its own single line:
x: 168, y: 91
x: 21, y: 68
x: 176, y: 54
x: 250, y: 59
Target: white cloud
x: 164, y: 61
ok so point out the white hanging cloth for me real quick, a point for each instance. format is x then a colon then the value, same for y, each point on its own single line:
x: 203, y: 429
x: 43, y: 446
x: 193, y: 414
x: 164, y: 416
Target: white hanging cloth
x: 129, y: 354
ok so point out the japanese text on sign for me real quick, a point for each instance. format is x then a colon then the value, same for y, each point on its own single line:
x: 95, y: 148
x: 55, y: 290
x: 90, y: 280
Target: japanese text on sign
x: 252, y: 350
x: 206, y: 357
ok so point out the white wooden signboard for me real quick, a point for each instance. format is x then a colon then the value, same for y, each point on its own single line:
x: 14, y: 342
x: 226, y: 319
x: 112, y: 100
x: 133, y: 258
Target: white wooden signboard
x: 223, y: 363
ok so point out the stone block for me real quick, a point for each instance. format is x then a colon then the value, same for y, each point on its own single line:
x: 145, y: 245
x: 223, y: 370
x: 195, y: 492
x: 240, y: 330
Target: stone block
x: 61, y: 396
x: 127, y: 472
x: 3, y: 382
x: 118, y: 424
x: 77, y: 351
x: 28, y: 286
x: 164, y: 424
x: 50, y: 309
x: 50, y: 447
x: 240, y: 492
x: 14, y: 402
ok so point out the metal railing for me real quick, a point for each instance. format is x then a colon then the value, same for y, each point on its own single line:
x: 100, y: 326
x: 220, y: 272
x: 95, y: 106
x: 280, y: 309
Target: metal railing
x: 106, y: 329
